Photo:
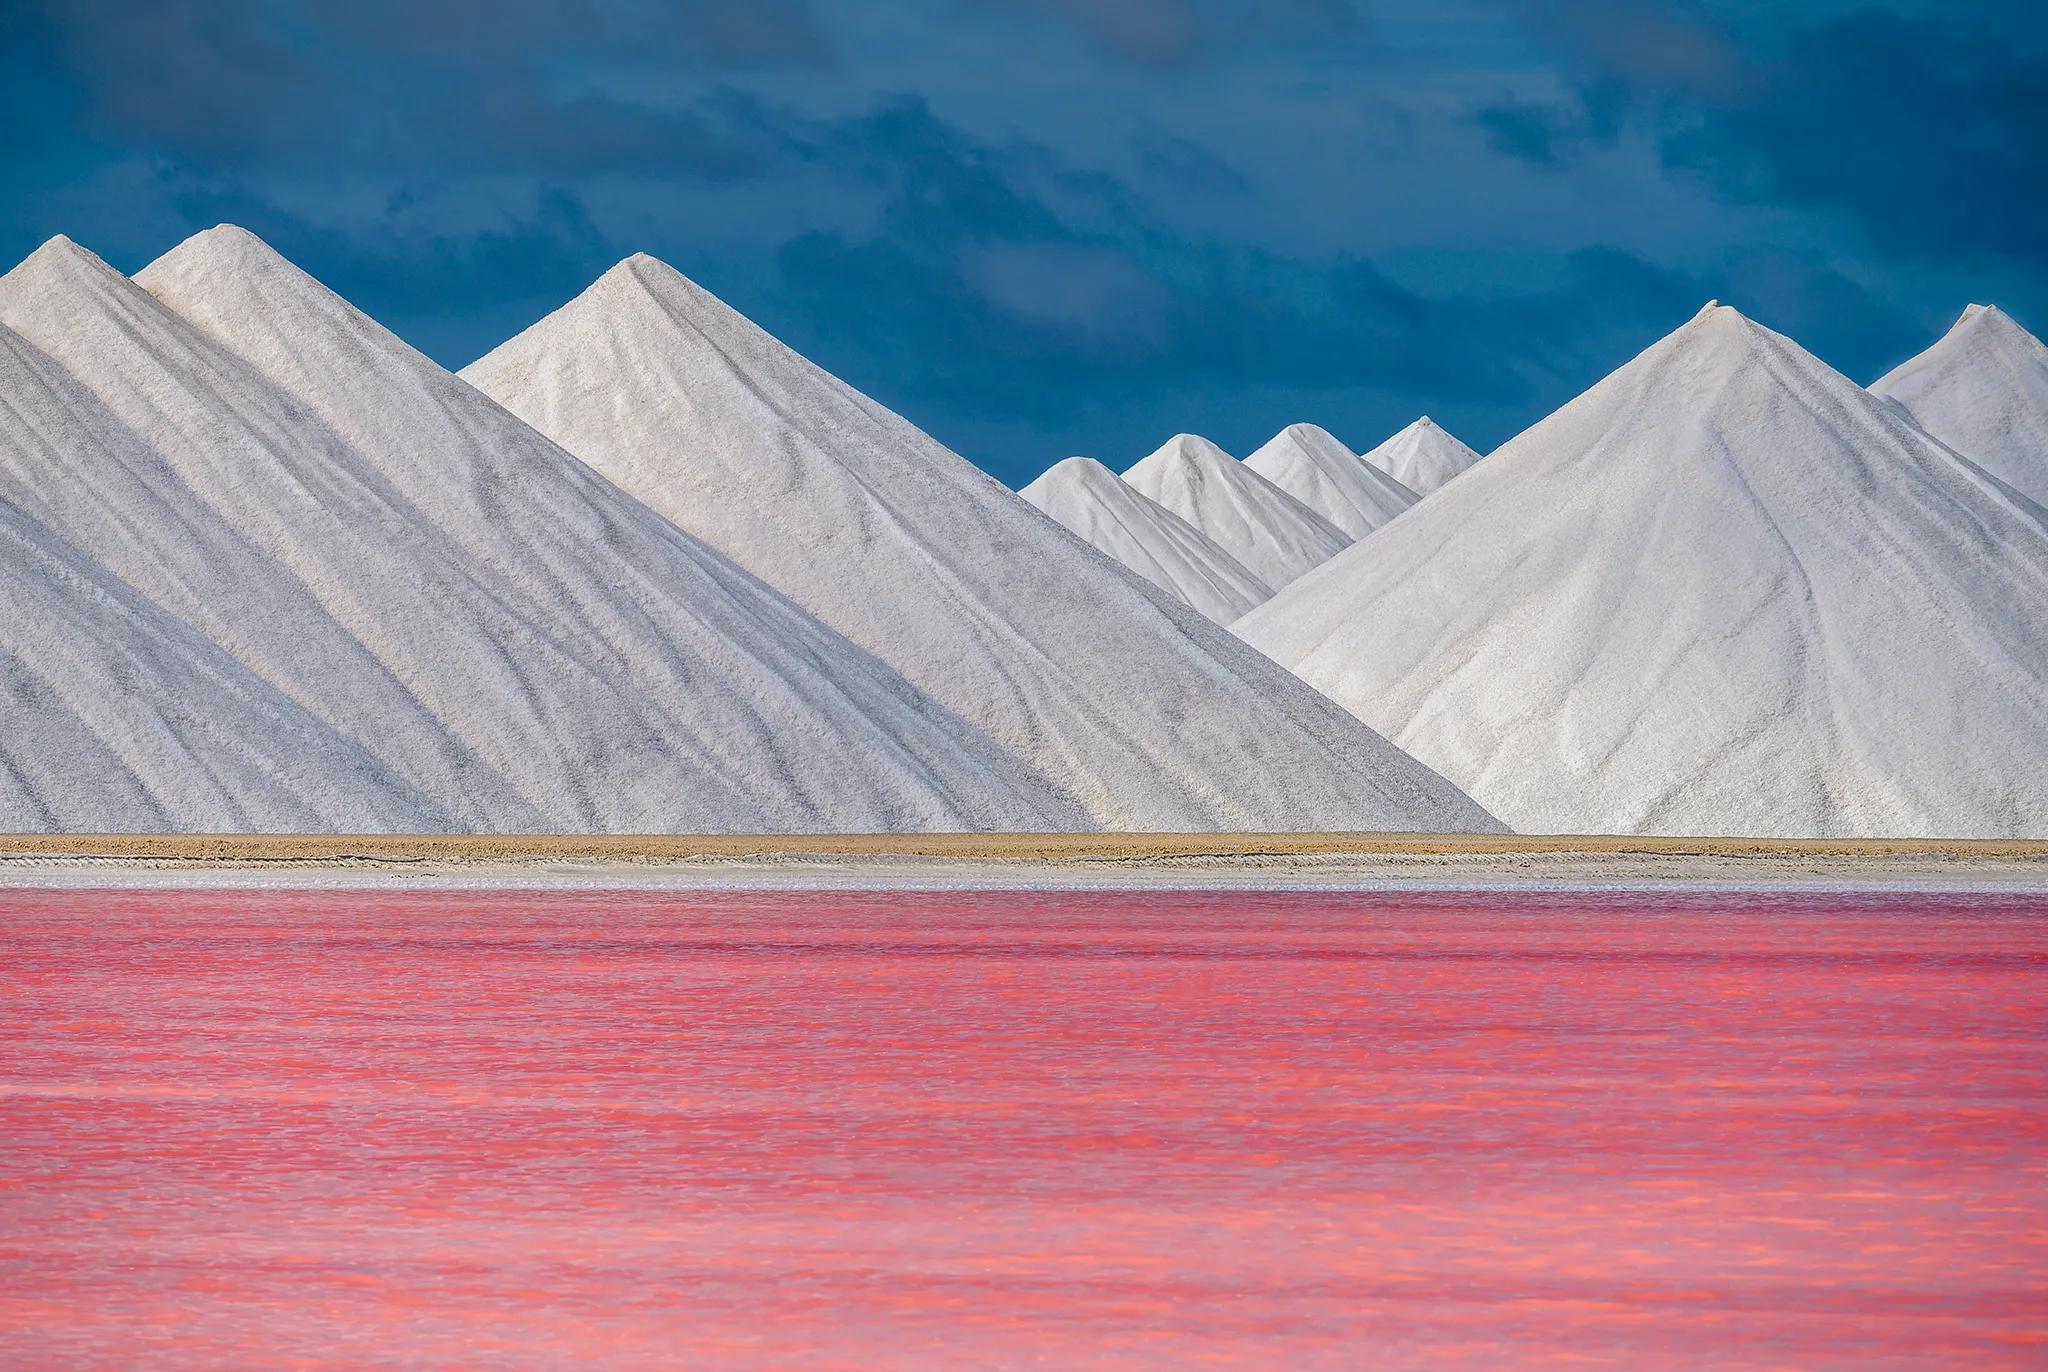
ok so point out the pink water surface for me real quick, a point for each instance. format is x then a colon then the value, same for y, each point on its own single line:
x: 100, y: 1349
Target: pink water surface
x: 1021, y: 1130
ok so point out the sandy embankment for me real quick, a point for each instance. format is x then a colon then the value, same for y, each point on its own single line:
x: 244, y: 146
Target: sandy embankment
x: 1334, y: 860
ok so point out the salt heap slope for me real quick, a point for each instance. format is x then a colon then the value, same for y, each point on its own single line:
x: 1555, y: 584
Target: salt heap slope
x: 71, y: 463
x: 1983, y: 390
x: 1269, y: 531
x: 1090, y: 501
x: 1151, y: 717
x: 585, y: 665
x: 1422, y: 456
x: 1726, y: 591
x: 1313, y: 467
x: 117, y: 718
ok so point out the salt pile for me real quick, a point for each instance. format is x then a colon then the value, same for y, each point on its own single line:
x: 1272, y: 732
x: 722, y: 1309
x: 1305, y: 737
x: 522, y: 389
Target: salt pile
x: 1090, y: 501
x: 120, y: 719
x: 1269, y: 531
x: 1148, y: 715
x: 521, y: 643
x: 1726, y: 591
x: 1422, y: 456
x: 1313, y: 467
x: 1983, y: 390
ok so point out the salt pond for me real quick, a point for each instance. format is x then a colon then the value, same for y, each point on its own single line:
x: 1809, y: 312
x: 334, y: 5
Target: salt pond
x: 1074, y: 1129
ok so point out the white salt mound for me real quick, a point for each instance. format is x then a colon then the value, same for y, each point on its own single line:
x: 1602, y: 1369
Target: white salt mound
x: 1151, y: 540
x: 1983, y: 390
x: 1726, y: 591
x: 117, y: 718
x: 1422, y: 456
x: 1313, y: 467
x: 1256, y: 522
x: 1148, y: 715
x: 525, y: 645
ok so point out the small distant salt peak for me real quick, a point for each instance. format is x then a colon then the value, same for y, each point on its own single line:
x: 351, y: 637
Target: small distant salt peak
x: 1183, y: 447
x: 62, y: 252
x: 230, y: 237
x: 1067, y: 471
x: 224, y: 247
x: 1194, y: 445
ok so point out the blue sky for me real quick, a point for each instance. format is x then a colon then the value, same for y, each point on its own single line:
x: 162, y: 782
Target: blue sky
x: 1043, y: 227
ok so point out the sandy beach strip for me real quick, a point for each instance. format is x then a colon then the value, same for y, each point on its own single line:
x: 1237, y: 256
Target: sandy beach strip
x: 920, y: 861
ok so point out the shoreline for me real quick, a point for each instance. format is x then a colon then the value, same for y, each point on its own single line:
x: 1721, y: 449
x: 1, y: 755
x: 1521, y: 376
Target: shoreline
x: 1015, y: 861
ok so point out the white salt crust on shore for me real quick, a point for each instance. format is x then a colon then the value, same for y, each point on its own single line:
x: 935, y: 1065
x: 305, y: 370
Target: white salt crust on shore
x: 1143, y: 712
x: 1422, y: 456
x: 505, y: 633
x: 1983, y: 390
x: 1090, y: 501
x: 1726, y: 591
x: 1312, y: 466
x: 1269, y: 531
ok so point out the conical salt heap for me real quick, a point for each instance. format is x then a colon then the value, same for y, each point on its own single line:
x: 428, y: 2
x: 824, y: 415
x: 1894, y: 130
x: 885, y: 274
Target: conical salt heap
x: 1269, y: 531
x: 1726, y: 591
x: 1146, y: 714
x: 1983, y: 390
x: 1312, y: 466
x: 521, y: 643
x: 1422, y: 456
x: 1091, y: 502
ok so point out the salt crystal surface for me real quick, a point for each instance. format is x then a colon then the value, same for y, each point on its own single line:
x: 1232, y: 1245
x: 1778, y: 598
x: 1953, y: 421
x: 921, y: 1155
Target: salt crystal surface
x: 1151, y: 540
x: 1312, y: 466
x: 1269, y: 531
x: 1983, y: 390
x: 585, y: 666
x: 119, y: 718
x: 1726, y: 591
x: 1142, y: 710
x: 1422, y: 456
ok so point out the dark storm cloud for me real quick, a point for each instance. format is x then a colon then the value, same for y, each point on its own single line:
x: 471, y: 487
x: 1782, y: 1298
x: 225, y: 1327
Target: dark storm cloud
x: 460, y: 82
x: 1933, y: 133
x: 1930, y: 131
x: 547, y: 251
x: 1175, y: 32
x: 1039, y: 224
x: 977, y: 283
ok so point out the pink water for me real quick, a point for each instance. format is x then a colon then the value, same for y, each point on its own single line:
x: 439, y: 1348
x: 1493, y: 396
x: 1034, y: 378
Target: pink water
x: 1021, y: 1130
